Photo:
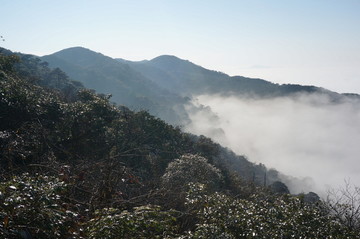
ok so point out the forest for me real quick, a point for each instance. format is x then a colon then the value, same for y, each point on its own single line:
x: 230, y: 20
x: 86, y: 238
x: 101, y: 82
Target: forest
x: 76, y: 165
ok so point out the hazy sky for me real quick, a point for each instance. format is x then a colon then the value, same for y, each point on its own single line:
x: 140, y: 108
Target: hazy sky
x: 313, y: 42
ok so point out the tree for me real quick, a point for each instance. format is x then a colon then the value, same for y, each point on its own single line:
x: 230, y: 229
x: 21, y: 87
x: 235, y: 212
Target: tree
x: 34, y: 207
x: 279, y: 188
x: 191, y: 168
x: 7, y: 62
x: 260, y: 217
x: 142, y: 222
x: 344, y: 205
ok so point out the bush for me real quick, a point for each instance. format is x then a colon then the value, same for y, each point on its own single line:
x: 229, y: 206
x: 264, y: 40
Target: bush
x: 144, y: 222
x: 191, y: 168
x: 221, y: 216
x: 32, y: 207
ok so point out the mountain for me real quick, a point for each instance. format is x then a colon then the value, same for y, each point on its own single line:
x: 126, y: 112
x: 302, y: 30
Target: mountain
x: 76, y: 166
x: 187, y: 79
x: 164, y: 85
x: 162, y: 82
x: 127, y: 86
x: 35, y: 102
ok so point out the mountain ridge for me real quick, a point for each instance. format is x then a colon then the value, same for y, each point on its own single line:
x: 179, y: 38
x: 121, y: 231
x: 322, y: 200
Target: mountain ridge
x: 169, y: 65
x: 108, y: 76
x: 166, y: 84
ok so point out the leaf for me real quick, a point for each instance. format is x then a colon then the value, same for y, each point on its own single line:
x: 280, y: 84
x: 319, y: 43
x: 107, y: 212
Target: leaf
x: 6, y: 221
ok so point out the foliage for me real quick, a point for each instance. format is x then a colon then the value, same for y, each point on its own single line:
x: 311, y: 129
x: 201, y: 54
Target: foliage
x: 143, y: 222
x: 7, y: 63
x: 32, y: 206
x: 191, y: 168
x: 22, y: 101
x: 222, y: 216
x: 279, y: 187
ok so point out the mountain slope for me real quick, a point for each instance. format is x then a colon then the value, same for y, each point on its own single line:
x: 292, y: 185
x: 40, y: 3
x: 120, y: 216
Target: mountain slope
x: 163, y: 84
x: 187, y: 79
x: 82, y: 168
x: 127, y: 86
x: 179, y: 76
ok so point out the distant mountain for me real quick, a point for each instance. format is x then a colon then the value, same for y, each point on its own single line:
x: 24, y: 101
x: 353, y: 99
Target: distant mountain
x: 165, y: 84
x: 187, y: 79
x: 127, y: 86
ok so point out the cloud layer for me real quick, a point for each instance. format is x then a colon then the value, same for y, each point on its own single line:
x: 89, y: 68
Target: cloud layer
x: 302, y: 136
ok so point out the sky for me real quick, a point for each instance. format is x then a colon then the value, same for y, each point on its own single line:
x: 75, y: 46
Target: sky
x: 311, y: 42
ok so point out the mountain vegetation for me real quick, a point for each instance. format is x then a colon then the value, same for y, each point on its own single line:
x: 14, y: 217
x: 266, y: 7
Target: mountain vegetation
x: 75, y: 165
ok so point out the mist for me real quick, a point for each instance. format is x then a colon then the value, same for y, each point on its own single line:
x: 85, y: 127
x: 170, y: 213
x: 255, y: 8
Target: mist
x: 307, y: 136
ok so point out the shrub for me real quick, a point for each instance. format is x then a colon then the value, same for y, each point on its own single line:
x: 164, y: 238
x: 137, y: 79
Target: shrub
x: 143, y: 222
x: 221, y: 216
x: 32, y: 207
x: 191, y: 168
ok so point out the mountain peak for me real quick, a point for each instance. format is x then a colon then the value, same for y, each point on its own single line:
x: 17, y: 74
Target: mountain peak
x: 171, y: 62
x: 166, y: 57
x: 75, y: 49
x: 83, y: 56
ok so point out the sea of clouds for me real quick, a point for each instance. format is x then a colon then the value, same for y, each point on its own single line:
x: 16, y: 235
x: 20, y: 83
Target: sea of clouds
x: 308, y: 136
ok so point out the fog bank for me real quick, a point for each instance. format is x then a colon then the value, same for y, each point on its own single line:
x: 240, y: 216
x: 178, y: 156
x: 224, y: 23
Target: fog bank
x: 303, y: 136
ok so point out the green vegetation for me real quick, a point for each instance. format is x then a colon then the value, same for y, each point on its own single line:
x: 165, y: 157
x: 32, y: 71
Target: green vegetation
x: 36, y: 205
x: 74, y: 165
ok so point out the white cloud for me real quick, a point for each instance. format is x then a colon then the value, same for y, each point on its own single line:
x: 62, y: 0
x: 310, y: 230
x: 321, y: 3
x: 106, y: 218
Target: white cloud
x: 303, y: 136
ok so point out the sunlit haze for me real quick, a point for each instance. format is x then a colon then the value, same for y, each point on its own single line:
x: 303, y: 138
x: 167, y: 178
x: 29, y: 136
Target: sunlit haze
x: 301, y: 42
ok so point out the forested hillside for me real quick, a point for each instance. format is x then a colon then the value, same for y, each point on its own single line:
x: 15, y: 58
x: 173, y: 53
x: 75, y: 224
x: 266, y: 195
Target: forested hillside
x: 128, y: 87
x: 75, y: 165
